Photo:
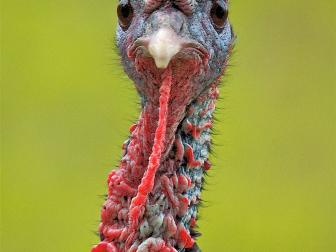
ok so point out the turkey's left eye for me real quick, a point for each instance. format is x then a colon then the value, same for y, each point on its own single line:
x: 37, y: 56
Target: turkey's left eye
x: 125, y: 15
x: 219, y: 15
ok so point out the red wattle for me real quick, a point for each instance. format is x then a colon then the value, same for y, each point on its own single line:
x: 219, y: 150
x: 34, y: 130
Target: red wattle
x: 147, y: 182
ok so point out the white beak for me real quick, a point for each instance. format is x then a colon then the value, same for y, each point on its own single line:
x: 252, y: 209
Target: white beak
x: 163, y: 46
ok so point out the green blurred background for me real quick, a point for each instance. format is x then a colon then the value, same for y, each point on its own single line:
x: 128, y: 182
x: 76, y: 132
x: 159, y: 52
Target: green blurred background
x: 66, y: 109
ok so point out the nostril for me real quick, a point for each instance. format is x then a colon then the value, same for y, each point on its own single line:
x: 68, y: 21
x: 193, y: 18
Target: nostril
x: 177, y: 21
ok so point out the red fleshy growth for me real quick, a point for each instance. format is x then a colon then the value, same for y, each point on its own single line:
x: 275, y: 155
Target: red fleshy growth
x: 169, y: 222
x: 147, y: 181
x: 197, y: 130
x: 104, y: 247
x: 168, y: 191
x: 184, y: 237
x: 111, y: 233
x: 183, y: 205
x: 192, y: 163
x: 101, y: 247
x: 179, y: 148
x: 207, y: 165
x: 133, y: 127
x: 184, y: 183
x: 192, y: 222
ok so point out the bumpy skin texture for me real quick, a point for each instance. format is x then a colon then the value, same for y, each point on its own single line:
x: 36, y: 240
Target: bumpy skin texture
x: 153, y: 196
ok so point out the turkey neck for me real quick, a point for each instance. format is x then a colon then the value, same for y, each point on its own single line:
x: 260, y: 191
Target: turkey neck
x: 168, y: 217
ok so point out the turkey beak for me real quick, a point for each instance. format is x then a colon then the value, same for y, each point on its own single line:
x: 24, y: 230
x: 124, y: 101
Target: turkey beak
x: 165, y: 37
x: 163, y: 46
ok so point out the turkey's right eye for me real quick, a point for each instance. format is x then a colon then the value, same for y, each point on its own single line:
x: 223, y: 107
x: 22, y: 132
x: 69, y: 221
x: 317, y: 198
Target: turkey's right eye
x: 125, y: 15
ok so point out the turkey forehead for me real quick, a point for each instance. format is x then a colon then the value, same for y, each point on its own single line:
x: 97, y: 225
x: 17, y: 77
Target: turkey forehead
x: 186, y: 6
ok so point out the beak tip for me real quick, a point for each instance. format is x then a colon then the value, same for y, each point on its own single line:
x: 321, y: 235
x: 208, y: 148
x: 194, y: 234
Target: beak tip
x: 161, y: 63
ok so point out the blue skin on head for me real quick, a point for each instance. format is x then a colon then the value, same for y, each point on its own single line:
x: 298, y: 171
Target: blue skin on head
x: 198, y: 26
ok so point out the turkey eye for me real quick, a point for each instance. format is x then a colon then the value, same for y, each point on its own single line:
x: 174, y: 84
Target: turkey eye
x: 218, y: 15
x: 125, y: 15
